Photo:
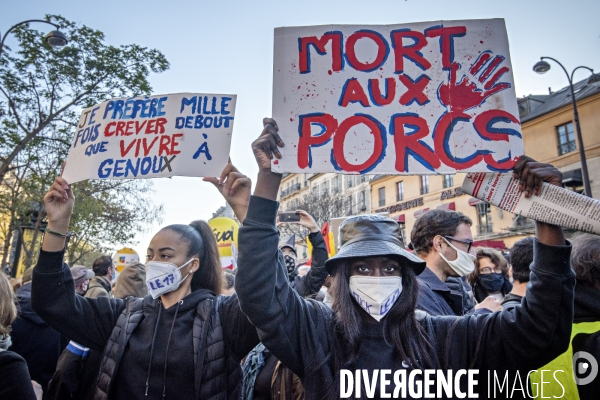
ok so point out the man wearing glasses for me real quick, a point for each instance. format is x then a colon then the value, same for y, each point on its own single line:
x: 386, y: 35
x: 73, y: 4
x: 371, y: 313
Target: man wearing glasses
x: 443, y: 239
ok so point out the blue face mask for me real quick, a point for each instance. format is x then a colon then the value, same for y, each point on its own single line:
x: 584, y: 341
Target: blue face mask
x: 492, y: 282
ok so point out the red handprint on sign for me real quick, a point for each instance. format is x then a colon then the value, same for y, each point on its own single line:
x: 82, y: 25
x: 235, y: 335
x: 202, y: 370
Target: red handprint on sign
x: 467, y: 93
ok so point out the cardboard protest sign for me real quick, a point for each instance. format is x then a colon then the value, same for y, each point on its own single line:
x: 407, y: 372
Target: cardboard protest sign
x: 420, y: 98
x: 184, y: 134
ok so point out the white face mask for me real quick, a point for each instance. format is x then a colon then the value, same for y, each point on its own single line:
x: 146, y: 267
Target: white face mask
x: 464, y: 263
x: 375, y: 294
x: 163, y: 277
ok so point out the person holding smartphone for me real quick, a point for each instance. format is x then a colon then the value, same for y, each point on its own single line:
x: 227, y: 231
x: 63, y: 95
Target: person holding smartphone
x: 309, y: 284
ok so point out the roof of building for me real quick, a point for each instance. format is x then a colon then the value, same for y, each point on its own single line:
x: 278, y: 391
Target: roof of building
x: 560, y: 99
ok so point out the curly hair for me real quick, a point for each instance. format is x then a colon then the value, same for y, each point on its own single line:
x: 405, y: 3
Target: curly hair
x: 497, y: 259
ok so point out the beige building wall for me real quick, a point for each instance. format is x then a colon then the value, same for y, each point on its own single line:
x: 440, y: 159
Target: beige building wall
x: 414, y: 203
x: 541, y: 141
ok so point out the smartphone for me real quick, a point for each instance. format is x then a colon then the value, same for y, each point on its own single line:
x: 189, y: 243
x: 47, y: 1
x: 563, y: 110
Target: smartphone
x: 289, y: 216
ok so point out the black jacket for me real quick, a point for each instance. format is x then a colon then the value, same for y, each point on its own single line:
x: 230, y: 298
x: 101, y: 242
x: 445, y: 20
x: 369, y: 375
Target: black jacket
x: 92, y: 322
x: 38, y: 343
x: 300, y: 332
x: 311, y: 283
x: 442, y: 298
x: 76, y: 374
x: 15, y: 382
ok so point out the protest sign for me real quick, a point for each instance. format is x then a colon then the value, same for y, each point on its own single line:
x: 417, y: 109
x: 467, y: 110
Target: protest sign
x: 420, y: 98
x: 226, y: 233
x: 554, y: 205
x: 184, y: 134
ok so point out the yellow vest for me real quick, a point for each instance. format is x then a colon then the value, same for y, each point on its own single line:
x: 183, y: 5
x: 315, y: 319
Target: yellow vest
x: 564, y: 362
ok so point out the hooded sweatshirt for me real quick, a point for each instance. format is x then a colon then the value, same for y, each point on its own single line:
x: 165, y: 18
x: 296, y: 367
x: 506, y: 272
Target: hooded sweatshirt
x: 32, y: 338
x: 162, y: 335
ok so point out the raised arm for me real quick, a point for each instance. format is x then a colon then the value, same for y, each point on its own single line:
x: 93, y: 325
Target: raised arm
x: 532, y: 334
x: 290, y: 327
x: 312, y: 282
x: 86, y: 321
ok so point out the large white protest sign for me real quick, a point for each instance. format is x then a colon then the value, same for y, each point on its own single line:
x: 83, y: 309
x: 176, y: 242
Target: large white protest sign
x: 419, y: 98
x: 184, y: 134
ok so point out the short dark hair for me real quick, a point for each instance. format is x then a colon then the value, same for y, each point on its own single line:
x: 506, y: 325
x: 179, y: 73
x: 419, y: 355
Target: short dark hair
x: 585, y: 259
x: 433, y: 223
x: 521, y: 257
x: 101, y: 265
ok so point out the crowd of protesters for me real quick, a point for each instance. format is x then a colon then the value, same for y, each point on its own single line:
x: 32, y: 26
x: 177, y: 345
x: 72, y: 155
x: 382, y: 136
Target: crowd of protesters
x: 181, y: 327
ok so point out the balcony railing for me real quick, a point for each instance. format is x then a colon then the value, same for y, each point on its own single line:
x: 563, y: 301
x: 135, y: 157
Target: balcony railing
x: 399, y: 196
x: 448, y: 183
x: 381, y: 202
x: 294, y: 188
x: 424, y: 189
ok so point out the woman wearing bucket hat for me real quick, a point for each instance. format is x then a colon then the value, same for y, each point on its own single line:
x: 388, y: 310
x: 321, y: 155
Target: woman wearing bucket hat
x: 372, y: 325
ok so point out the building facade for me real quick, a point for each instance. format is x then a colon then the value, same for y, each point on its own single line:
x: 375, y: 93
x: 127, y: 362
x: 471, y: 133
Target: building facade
x: 549, y: 132
x: 406, y: 197
x: 325, y: 196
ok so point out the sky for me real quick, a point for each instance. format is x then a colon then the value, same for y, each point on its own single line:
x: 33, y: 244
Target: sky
x: 227, y: 47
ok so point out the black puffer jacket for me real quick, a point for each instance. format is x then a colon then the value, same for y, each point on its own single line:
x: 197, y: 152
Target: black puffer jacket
x: 188, y: 351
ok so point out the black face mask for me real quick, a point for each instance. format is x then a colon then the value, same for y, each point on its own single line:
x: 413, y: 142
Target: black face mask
x: 290, y: 263
x: 492, y: 282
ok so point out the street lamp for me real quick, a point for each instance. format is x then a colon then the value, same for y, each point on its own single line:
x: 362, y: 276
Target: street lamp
x: 541, y: 67
x: 55, y: 39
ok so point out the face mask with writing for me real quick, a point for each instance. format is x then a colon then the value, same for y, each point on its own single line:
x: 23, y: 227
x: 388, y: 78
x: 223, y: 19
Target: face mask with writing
x: 376, y: 294
x: 464, y: 263
x: 163, y: 277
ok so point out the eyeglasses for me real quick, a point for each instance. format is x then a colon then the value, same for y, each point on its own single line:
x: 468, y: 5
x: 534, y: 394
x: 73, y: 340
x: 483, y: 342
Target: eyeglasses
x: 488, y: 270
x: 464, y: 241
